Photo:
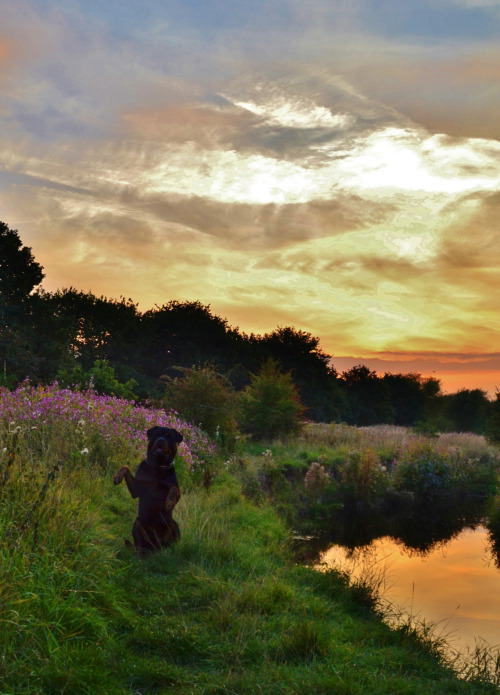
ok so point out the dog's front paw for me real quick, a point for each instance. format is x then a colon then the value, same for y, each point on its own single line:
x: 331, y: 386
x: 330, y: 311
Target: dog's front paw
x: 118, y: 477
x: 172, y: 498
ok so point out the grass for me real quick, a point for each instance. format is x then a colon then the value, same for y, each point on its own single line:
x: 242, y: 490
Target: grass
x: 226, y: 610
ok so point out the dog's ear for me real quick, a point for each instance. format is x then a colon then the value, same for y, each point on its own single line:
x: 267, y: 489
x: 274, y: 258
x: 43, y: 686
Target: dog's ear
x: 178, y: 436
x: 151, y: 432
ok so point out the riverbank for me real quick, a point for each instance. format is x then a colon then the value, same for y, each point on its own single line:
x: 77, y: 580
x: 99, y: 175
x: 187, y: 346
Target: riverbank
x: 227, y: 610
x: 224, y: 611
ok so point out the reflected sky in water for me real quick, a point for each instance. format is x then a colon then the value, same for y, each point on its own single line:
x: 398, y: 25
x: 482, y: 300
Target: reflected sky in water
x: 455, y: 586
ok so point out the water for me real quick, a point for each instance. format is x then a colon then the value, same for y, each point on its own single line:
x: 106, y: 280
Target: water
x: 454, y: 585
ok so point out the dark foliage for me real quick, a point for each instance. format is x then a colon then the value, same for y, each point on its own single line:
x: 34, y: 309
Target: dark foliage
x: 468, y: 410
x: 493, y: 423
x: 19, y: 275
x: 367, y: 397
x: 43, y: 334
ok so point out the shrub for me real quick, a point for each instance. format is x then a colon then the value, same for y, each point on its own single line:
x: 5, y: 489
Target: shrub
x: 452, y: 471
x: 205, y: 398
x: 101, y: 378
x: 316, y: 479
x: 362, y: 477
x: 270, y: 406
x: 423, y: 472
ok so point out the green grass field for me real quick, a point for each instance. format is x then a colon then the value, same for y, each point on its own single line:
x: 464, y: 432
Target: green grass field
x: 227, y: 610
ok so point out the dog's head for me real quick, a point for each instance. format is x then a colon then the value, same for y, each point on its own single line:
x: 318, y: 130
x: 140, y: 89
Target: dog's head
x: 162, y: 445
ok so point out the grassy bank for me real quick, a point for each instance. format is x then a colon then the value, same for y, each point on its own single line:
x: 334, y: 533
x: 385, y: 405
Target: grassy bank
x: 351, y: 485
x: 225, y: 611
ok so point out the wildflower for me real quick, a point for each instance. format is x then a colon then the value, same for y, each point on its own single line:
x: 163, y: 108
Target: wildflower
x: 115, y: 421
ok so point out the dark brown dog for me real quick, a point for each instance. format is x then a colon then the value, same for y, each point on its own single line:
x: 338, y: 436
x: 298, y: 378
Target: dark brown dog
x: 155, y: 484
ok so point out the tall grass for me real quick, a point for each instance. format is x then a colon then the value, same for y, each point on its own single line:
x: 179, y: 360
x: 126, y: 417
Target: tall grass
x: 367, y: 461
x: 391, y: 439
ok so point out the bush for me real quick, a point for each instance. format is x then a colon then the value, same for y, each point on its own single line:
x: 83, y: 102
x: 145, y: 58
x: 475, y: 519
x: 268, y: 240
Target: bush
x: 270, y: 405
x: 363, y: 478
x: 100, y: 378
x: 206, y: 399
x: 451, y: 471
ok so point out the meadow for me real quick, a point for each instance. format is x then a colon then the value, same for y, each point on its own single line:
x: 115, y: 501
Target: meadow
x: 229, y: 609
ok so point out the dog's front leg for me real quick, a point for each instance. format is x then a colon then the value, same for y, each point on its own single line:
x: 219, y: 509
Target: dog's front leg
x: 124, y: 472
x: 173, y: 497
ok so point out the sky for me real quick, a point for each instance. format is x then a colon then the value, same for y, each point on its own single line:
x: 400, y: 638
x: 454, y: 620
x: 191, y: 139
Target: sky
x: 331, y: 165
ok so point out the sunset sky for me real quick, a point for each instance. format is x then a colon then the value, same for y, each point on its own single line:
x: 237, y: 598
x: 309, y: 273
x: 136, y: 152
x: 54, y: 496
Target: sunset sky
x: 329, y: 165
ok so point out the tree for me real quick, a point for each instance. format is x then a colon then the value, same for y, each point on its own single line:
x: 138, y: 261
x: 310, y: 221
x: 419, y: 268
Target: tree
x: 367, y: 397
x: 270, y: 406
x: 183, y: 334
x: 312, y: 372
x: 19, y: 272
x: 99, y: 328
x: 493, y: 424
x: 411, y: 397
x: 19, y: 275
x: 468, y: 410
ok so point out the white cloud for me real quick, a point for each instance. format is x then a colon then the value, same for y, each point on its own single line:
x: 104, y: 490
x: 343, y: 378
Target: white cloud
x: 297, y: 114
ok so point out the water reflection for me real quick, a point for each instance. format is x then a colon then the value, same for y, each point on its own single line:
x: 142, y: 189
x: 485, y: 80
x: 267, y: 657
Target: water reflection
x: 439, y: 561
x: 421, y: 528
x: 455, y: 585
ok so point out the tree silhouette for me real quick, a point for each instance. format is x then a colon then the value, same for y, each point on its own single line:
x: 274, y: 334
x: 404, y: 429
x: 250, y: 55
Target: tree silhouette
x: 19, y: 272
x: 411, y: 396
x: 468, y: 410
x: 368, y: 398
x: 311, y: 369
x: 19, y: 275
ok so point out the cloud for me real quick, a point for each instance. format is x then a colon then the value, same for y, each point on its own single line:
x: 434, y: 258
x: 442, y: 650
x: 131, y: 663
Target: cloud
x: 329, y: 173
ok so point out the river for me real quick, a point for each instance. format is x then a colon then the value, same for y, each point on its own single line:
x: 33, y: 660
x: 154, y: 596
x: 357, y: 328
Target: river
x: 454, y: 585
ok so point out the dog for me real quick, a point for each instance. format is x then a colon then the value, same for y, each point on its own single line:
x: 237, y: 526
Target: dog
x: 155, y: 484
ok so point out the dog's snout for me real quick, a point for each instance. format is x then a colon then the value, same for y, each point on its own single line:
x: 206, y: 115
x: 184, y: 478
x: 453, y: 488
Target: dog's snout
x: 163, y: 444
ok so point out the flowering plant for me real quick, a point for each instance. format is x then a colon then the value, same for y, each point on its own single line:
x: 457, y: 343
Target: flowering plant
x: 105, y: 430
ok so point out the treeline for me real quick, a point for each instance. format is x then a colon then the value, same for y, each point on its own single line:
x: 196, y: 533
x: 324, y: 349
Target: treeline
x: 45, y: 335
